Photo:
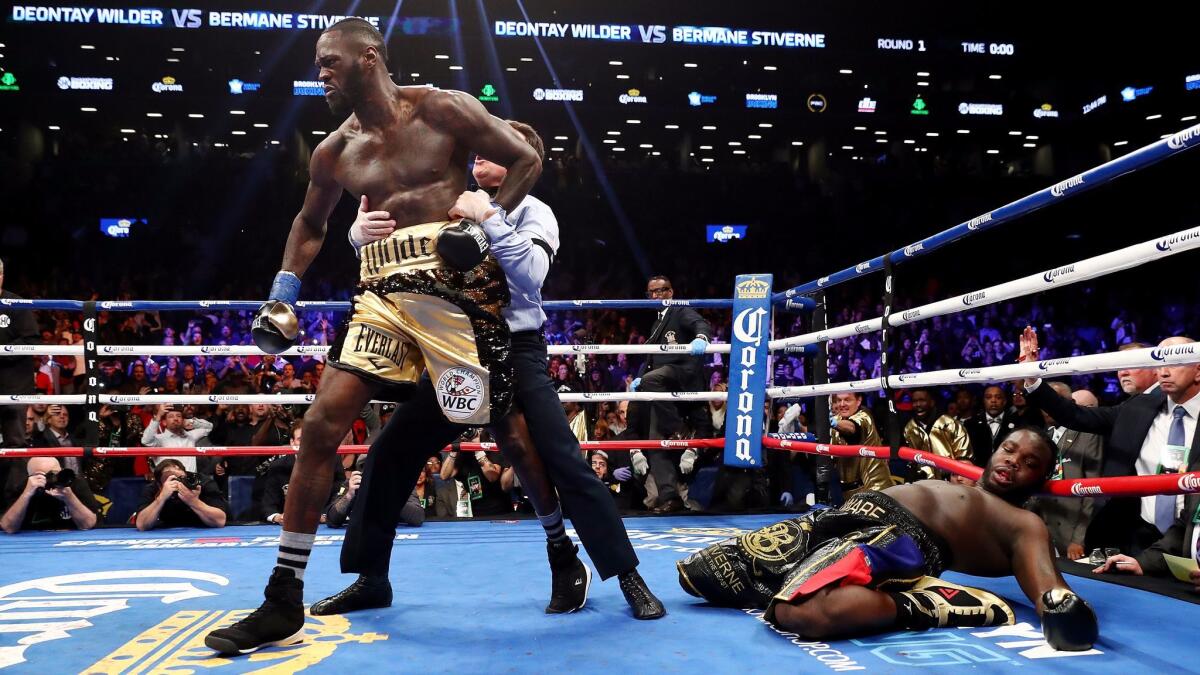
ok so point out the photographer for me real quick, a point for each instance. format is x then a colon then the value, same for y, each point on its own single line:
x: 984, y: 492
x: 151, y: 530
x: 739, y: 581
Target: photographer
x: 421, y: 503
x: 178, y: 498
x: 51, y: 498
x: 479, y: 492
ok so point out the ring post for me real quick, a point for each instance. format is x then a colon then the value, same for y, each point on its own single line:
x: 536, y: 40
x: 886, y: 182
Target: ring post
x: 822, y: 466
x: 748, y: 370
x: 91, y: 367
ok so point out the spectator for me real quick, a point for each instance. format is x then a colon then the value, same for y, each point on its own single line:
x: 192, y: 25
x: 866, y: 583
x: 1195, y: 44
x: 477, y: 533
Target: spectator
x: 1079, y: 456
x: 619, y: 482
x: 478, y: 478
x: 964, y: 403
x: 179, y: 498
x: 168, y: 429
x: 17, y: 327
x: 1136, y: 381
x: 851, y: 424
x: 47, y: 497
x: 943, y: 435
x: 986, y: 430
x: 1148, y: 433
x: 665, y: 373
x: 279, y: 474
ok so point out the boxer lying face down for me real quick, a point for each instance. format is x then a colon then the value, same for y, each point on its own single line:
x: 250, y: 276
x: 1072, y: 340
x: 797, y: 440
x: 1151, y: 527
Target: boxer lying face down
x: 871, y: 566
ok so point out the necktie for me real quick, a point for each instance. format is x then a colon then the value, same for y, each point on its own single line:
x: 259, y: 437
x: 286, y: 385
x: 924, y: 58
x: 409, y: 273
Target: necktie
x: 1164, y: 505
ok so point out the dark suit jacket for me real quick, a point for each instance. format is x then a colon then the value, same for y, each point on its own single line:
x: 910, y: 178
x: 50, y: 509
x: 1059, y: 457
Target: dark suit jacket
x: 1067, y: 518
x: 1177, y: 541
x: 17, y: 327
x: 1124, y: 427
x: 983, y: 444
x: 680, y: 325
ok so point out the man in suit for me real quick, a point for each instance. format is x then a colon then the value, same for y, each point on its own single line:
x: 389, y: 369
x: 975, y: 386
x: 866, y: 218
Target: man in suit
x: 1136, y: 381
x: 17, y: 327
x: 988, y: 428
x: 1149, y: 433
x: 664, y: 373
x: 1079, y: 456
x: 1180, y: 540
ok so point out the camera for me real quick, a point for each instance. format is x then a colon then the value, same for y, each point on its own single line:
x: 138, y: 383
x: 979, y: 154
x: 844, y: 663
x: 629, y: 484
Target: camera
x: 56, y: 480
x: 189, y: 480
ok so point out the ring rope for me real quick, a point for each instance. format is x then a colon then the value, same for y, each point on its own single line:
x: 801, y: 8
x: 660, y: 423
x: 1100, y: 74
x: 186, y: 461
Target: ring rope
x: 1117, y: 486
x: 1092, y: 178
x: 1064, y: 275
x: 1150, y: 357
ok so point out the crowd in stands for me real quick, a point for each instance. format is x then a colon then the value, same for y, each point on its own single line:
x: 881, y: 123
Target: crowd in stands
x: 213, y: 491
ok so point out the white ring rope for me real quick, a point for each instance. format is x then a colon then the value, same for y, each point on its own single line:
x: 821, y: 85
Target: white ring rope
x: 316, y: 350
x: 1130, y: 256
x: 1151, y: 357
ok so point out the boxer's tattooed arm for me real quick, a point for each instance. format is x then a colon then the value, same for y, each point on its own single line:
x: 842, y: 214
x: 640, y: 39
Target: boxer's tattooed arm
x: 474, y: 128
x: 308, y: 228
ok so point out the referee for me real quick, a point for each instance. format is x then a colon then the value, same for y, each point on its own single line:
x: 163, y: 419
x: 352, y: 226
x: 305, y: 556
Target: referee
x: 524, y: 243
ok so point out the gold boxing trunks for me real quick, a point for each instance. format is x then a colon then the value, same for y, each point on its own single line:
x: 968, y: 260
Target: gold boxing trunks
x: 413, y: 313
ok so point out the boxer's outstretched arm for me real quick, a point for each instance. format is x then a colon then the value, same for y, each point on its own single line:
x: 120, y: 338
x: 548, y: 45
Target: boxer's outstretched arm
x: 472, y: 126
x: 1033, y: 559
x: 308, y: 228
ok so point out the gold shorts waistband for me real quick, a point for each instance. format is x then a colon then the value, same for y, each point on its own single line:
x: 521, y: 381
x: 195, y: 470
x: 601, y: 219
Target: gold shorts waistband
x: 408, y: 249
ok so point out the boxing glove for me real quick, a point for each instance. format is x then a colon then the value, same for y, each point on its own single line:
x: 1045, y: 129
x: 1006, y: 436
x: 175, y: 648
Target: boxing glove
x: 275, y: 325
x: 1068, y: 622
x: 462, y: 245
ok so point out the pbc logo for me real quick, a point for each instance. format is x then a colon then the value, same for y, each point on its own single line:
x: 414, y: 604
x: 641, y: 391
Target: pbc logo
x: 460, y: 393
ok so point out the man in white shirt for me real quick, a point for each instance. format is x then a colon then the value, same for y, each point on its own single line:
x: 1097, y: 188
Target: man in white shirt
x: 1148, y: 434
x: 168, y: 429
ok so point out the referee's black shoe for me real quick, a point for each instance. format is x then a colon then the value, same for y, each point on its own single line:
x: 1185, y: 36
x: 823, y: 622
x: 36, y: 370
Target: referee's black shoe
x: 638, y: 595
x: 367, y: 592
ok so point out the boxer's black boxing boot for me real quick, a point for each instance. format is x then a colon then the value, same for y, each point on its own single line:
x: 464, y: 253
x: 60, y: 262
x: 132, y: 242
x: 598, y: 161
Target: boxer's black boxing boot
x: 639, y: 597
x: 367, y: 592
x: 571, y: 579
x: 279, y: 621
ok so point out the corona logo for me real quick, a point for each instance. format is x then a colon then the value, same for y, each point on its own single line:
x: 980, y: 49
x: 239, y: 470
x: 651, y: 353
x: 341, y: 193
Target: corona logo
x: 753, y: 289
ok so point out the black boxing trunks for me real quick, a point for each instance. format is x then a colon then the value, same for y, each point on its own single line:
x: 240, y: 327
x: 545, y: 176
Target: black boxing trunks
x: 414, y: 313
x: 871, y: 540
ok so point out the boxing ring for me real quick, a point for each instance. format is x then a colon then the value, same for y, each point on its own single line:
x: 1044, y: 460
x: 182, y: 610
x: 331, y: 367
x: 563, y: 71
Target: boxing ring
x: 469, y: 594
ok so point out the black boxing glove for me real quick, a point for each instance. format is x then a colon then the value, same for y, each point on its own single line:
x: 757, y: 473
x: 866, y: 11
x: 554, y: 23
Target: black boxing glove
x: 462, y: 245
x: 1068, y: 622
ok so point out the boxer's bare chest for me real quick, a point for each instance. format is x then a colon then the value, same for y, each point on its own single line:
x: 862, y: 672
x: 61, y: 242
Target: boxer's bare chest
x: 409, y: 169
